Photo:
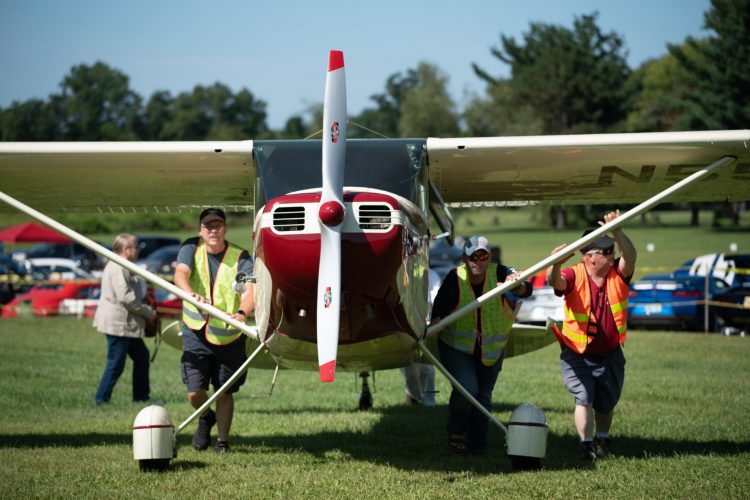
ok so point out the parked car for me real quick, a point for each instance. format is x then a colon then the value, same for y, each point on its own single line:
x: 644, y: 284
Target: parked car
x: 542, y: 304
x: 64, y: 269
x: 732, y: 268
x: 674, y: 301
x: 736, y: 314
x: 16, y: 278
x: 148, y: 244
x: 444, y: 256
x: 44, y: 298
x: 162, y: 261
x: 168, y: 305
x: 85, y: 258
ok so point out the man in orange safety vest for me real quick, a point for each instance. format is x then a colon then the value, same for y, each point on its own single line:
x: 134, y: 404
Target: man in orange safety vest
x: 593, y: 333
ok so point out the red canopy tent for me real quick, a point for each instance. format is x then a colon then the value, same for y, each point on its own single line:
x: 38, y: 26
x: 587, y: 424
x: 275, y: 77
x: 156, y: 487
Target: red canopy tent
x: 32, y: 232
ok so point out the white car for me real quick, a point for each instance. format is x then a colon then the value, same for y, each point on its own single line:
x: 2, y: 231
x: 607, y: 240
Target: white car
x: 542, y: 304
x: 66, y: 269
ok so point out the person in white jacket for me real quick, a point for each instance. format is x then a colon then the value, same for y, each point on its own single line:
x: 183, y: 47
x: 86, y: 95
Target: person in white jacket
x: 121, y: 317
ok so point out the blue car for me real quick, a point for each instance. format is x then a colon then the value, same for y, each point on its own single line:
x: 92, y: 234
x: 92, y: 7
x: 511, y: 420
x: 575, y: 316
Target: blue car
x: 674, y: 301
x: 732, y: 268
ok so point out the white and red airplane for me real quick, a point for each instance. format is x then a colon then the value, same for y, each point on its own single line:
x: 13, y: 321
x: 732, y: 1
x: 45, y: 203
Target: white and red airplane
x: 342, y: 252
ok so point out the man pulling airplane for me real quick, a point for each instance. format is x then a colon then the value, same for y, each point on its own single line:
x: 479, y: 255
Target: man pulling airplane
x: 206, y: 268
x: 473, y: 349
x: 593, y: 333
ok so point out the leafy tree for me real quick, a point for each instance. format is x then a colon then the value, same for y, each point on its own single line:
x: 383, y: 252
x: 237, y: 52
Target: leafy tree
x: 207, y: 113
x: 427, y: 109
x: 657, y: 106
x: 97, y: 104
x: 500, y: 113
x: 574, y: 80
x: 384, y: 119
x: 415, y: 103
x: 32, y: 120
x: 717, y: 69
x: 158, y: 113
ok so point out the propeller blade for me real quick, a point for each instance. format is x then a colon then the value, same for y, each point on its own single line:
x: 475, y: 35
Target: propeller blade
x: 331, y: 214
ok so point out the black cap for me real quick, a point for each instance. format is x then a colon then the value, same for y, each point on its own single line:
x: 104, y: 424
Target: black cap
x: 210, y: 214
x: 603, y: 241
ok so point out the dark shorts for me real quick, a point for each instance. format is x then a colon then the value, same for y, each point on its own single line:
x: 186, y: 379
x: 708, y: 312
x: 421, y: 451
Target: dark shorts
x: 594, y: 380
x: 217, y: 365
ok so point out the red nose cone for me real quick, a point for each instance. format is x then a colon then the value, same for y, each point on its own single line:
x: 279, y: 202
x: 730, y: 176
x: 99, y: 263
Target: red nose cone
x: 331, y: 213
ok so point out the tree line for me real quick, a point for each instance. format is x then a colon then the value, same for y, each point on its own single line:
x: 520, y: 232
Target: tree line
x: 562, y: 81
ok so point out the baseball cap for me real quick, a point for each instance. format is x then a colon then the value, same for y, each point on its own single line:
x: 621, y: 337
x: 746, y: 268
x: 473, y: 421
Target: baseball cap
x: 475, y: 243
x: 210, y: 214
x: 603, y: 241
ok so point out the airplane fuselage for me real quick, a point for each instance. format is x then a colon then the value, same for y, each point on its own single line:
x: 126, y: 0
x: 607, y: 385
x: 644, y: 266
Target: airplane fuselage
x: 384, y: 245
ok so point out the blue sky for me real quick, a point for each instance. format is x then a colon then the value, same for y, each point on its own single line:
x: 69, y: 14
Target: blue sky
x: 278, y: 49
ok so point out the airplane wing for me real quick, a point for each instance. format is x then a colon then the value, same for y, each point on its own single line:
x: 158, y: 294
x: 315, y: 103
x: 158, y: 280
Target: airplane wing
x: 128, y: 176
x: 571, y: 169
x: 597, y: 168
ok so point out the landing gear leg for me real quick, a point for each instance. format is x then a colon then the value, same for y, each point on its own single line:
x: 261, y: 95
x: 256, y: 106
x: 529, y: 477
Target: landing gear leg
x: 365, y: 398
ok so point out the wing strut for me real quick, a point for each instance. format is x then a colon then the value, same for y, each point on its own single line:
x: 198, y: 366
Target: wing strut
x: 573, y: 247
x: 580, y: 243
x: 148, y: 276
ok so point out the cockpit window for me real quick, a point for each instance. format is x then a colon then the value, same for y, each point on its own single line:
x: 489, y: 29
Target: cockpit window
x: 391, y: 165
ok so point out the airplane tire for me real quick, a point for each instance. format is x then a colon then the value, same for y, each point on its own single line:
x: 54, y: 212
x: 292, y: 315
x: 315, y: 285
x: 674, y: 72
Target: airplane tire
x: 519, y: 463
x: 154, y: 465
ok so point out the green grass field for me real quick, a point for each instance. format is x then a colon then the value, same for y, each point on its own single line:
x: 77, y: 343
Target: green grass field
x: 681, y: 429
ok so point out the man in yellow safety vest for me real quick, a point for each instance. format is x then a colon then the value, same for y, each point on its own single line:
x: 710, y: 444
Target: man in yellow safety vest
x: 207, y: 267
x: 472, y: 349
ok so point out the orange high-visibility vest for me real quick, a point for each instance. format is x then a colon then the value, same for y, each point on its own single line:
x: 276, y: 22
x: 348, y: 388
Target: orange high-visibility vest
x: 577, y: 325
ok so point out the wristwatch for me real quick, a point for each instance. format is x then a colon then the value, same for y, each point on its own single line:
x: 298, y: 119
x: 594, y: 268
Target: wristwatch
x: 240, y: 311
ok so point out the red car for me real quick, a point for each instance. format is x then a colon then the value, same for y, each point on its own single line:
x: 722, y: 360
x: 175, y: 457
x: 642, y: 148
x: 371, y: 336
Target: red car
x: 44, y: 298
x: 167, y: 305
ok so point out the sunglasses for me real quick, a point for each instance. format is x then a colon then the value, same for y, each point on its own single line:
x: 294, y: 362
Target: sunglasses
x: 480, y: 258
x: 601, y: 251
x: 213, y: 226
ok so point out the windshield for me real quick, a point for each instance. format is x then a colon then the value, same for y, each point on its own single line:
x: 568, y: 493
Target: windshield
x: 391, y: 165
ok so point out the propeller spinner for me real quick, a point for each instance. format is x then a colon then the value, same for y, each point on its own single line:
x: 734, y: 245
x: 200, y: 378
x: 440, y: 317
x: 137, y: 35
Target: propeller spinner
x: 331, y: 213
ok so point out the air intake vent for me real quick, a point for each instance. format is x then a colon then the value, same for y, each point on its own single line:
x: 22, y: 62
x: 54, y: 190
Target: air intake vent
x: 289, y: 218
x: 374, y: 216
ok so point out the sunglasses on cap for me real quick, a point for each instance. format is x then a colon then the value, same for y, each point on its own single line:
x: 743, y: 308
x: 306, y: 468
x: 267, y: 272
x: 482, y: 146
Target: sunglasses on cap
x: 601, y: 251
x: 483, y: 257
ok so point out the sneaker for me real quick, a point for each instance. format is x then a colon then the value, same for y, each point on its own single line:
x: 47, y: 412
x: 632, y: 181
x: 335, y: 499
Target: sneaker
x: 202, y: 436
x: 221, y: 447
x: 586, y: 451
x: 603, y: 446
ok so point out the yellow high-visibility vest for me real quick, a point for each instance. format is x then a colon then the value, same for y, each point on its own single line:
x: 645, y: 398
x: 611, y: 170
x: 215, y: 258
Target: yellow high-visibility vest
x: 497, y: 319
x: 223, y: 297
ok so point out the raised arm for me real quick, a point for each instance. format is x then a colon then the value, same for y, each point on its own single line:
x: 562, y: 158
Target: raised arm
x: 628, y: 253
x: 554, y: 277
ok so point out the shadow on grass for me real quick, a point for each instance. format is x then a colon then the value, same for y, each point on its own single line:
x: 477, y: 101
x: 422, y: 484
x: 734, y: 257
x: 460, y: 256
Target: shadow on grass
x: 414, y: 438
x: 409, y: 438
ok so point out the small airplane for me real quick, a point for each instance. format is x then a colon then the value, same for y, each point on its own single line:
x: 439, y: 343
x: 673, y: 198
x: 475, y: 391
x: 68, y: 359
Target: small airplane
x: 342, y: 251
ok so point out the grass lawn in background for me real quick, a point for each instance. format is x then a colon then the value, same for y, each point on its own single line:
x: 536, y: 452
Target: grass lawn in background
x: 680, y: 430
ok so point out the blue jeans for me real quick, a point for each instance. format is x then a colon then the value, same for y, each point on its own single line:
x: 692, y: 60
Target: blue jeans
x: 118, y: 348
x: 479, y: 380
